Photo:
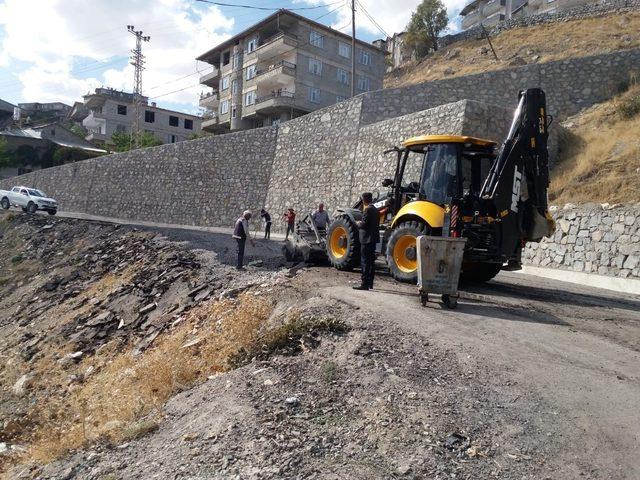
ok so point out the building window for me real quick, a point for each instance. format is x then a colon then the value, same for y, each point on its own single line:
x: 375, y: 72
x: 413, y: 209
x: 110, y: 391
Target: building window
x: 188, y: 124
x: 234, y: 111
x: 172, y: 139
x: 343, y: 76
x: 316, y: 39
x: 315, y: 66
x: 53, y: 132
x: 224, y: 107
x: 174, y: 121
x: 251, y: 71
x: 122, y: 109
x: 258, y: 123
x: 225, y: 82
x: 252, y: 44
x: 365, y: 58
x: 364, y: 84
x: 121, y: 128
x: 226, y: 58
x: 149, y: 116
x: 340, y: 98
x: 234, y: 86
x: 276, y: 121
x: 344, y: 50
x: 250, y: 97
x: 314, y: 95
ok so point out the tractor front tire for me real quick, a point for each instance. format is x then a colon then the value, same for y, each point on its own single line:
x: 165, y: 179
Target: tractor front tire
x: 343, y: 245
x: 402, y: 251
x: 477, y: 272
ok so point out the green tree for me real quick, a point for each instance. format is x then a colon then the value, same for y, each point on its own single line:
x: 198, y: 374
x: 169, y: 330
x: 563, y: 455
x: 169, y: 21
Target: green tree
x: 427, y: 22
x: 122, y: 142
x: 79, y: 130
x: 6, y: 158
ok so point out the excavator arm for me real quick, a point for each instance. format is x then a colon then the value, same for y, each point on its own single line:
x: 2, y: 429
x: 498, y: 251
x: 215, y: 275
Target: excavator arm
x: 518, y: 180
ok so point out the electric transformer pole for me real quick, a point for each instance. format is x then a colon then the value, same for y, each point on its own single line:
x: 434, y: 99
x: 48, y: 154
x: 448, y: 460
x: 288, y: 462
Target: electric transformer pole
x: 137, y: 60
x: 353, y: 48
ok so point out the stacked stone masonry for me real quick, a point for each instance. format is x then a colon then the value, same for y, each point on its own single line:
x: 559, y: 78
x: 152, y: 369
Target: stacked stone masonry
x: 592, y: 239
x: 596, y: 8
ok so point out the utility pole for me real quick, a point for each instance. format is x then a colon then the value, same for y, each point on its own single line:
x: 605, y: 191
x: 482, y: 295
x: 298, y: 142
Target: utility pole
x: 137, y: 60
x: 353, y: 48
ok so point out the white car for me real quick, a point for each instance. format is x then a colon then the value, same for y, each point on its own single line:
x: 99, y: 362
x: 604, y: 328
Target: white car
x: 29, y: 199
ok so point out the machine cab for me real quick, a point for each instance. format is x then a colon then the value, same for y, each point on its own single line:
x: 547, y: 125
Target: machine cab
x: 441, y: 168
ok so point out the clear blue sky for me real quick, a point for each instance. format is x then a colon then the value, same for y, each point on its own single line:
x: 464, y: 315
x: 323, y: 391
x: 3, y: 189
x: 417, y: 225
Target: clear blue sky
x: 58, y: 50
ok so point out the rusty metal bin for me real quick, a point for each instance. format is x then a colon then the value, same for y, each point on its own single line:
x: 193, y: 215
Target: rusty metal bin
x: 439, y: 263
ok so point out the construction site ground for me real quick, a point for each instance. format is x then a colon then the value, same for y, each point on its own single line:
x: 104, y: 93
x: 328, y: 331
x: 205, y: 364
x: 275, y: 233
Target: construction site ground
x: 527, y: 378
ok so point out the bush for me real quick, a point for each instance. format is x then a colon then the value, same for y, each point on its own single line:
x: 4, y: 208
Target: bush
x: 629, y: 108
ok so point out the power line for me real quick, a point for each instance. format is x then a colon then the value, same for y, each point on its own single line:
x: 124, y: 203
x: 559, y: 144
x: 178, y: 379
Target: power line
x: 373, y: 20
x: 244, y: 68
x: 253, y: 7
x: 343, y: 3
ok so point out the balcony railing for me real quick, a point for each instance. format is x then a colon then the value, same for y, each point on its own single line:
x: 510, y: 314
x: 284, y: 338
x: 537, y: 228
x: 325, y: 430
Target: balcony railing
x: 273, y: 95
x: 278, y: 35
x: 207, y: 77
x: 283, y: 64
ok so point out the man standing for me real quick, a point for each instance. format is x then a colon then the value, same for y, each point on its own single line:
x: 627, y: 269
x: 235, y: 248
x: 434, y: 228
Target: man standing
x: 267, y: 223
x: 240, y: 234
x: 369, y: 230
x: 320, y: 218
x: 290, y: 217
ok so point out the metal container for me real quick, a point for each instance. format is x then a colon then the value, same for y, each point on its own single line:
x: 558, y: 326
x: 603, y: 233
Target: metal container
x: 439, y: 263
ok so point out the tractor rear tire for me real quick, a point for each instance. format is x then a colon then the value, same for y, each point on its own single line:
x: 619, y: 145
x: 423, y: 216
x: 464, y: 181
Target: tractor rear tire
x: 402, y: 253
x: 343, y: 245
x: 477, y: 272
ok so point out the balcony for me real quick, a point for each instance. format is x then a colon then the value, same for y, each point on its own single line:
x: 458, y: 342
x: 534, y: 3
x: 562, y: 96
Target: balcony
x: 493, y: 7
x: 211, y: 78
x: 210, y: 100
x: 270, y: 103
x: 471, y: 19
x: 210, y: 121
x: 277, y: 44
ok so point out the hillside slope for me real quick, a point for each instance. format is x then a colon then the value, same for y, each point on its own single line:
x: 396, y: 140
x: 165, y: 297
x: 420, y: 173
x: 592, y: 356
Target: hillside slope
x: 521, y: 46
x: 599, y: 158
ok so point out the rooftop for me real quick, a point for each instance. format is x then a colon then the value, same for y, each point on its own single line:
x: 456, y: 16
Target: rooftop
x: 276, y: 16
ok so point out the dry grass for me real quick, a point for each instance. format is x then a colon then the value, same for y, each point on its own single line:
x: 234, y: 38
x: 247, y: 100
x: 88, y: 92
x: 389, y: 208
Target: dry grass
x: 600, y: 154
x: 123, y: 389
x: 550, y: 42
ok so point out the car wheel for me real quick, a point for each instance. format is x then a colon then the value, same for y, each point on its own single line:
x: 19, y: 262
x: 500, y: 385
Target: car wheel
x: 32, y: 207
x: 5, y: 203
x: 52, y: 212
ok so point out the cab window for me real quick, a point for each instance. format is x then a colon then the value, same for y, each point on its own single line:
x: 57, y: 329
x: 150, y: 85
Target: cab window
x: 439, y: 174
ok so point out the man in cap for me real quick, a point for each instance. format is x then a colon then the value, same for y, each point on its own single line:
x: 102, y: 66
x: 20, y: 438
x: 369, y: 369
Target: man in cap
x: 240, y: 234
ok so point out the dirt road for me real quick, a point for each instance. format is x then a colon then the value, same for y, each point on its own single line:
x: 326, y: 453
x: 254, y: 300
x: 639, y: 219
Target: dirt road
x: 578, y: 348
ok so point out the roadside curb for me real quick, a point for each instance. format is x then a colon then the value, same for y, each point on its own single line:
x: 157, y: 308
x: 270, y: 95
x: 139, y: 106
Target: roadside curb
x: 622, y: 285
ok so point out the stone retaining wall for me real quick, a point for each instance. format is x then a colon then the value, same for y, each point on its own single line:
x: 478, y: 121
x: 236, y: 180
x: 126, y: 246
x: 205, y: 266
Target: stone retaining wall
x: 596, y: 8
x: 592, y: 239
x: 571, y: 86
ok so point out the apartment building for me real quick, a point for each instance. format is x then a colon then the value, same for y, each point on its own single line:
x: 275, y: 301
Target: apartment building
x: 490, y: 12
x: 280, y: 68
x: 107, y: 111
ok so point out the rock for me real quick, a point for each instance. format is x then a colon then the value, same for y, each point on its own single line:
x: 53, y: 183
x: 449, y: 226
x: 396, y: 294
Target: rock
x: 451, y: 54
x: 449, y: 71
x: 292, y: 401
x: 3, y: 448
x: 23, y: 384
x: 100, y: 319
x: 517, y: 62
x: 631, y: 262
x: 70, y: 358
x: 147, y: 308
x: 255, y: 263
x: 196, y: 290
x: 203, y: 295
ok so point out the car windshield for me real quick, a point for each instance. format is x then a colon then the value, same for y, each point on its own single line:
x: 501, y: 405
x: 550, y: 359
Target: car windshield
x: 439, y: 173
x: 36, y: 193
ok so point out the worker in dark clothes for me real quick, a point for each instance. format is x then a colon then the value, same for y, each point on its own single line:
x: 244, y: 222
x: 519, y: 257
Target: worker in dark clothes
x: 267, y: 223
x: 369, y: 230
x: 240, y: 234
